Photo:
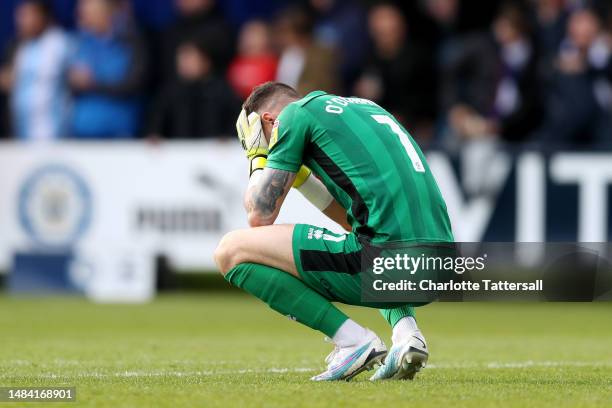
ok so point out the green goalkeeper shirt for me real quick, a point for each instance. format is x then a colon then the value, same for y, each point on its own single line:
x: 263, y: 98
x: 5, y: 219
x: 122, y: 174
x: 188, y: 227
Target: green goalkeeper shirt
x: 368, y: 162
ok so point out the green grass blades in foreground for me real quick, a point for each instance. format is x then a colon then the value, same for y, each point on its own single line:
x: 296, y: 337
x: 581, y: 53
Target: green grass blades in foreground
x: 224, y: 349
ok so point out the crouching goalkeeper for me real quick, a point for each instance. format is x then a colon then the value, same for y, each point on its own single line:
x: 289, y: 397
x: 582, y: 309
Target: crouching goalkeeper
x: 372, y: 179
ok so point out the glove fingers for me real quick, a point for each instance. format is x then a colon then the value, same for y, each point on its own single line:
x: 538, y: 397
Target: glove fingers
x: 250, y: 134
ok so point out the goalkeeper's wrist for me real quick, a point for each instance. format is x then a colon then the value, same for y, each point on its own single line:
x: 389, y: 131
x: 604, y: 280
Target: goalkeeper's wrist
x: 315, y: 191
x: 256, y: 152
x: 301, y: 176
x: 257, y: 163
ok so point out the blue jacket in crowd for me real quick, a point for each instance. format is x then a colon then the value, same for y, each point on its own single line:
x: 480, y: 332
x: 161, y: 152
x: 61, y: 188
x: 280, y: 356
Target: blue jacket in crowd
x: 110, y: 109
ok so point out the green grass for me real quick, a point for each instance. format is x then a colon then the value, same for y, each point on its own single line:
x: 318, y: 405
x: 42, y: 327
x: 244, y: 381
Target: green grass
x: 226, y: 350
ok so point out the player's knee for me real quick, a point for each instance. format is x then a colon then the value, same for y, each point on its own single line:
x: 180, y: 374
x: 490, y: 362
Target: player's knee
x: 223, y: 255
x: 227, y: 254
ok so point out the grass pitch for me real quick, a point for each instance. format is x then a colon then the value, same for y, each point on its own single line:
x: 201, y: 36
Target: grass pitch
x: 226, y: 350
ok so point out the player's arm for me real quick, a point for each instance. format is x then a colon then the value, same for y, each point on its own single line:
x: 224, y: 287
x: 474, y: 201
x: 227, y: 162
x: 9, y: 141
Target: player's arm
x: 315, y: 191
x: 265, y: 195
x: 337, y: 213
x: 269, y: 187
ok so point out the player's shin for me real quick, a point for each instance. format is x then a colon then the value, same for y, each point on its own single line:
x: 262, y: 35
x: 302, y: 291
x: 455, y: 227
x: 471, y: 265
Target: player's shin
x: 288, y: 295
x: 394, y: 315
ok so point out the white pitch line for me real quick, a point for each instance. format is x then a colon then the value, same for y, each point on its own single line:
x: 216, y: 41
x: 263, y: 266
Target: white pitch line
x: 144, y: 374
x: 276, y: 370
x: 522, y: 364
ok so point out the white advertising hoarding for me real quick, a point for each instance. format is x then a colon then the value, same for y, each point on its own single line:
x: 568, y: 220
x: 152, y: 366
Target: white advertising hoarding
x: 177, y: 199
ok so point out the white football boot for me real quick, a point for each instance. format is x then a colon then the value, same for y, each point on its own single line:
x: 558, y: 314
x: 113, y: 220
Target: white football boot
x: 404, y: 360
x: 344, y: 363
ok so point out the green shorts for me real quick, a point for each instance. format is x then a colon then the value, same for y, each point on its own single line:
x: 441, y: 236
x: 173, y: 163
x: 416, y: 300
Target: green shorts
x: 331, y: 264
x: 328, y: 262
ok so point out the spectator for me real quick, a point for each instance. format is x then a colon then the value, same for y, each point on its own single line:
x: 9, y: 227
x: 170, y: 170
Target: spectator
x: 4, y: 114
x: 500, y: 94
x: 255, y: 62
x: 339, y: 25
x: 6, y: 83
x: 304, y: 64
x: 198, y: 103
x: 443, y: 38
x: 444, y: 13
x: 444, y: 27
x: 580, y: 103
x: 440, y: 25
x: 199, y: 21
x: 37, y: 80
x: 551, y: 20
x: 399, y: 74
x: 106, y: 74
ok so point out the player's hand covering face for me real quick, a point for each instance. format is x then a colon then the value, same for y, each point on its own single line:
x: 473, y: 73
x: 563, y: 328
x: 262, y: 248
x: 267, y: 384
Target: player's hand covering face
x: 253, y: 141
x: 251, y: 135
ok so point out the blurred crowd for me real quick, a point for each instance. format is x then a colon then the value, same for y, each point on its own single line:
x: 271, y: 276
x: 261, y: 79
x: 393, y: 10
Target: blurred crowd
x: 453, y: 71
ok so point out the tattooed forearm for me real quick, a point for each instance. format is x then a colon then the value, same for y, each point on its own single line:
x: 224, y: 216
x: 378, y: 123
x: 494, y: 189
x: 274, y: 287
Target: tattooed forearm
x: 265, y: 198
x: 271, y: 187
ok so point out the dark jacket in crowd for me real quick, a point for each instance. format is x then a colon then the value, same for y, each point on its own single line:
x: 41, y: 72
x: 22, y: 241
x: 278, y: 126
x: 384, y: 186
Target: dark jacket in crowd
x: 579, y: 108
x: 6, y: 62
x: 408, y: 83
x: 480, y: 78
x: 191, y: 110
x: 208, y: 29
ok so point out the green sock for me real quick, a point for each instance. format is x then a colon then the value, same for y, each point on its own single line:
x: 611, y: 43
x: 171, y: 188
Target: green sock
x: 288, y: 295
x: 394, y: 315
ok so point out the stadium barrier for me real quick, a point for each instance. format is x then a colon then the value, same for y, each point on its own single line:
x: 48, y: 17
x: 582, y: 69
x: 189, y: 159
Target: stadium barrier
x: 177, y: 199
x: 131, y: 200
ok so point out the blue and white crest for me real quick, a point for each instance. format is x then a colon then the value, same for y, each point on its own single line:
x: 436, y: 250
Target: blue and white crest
x: 55, y: 206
